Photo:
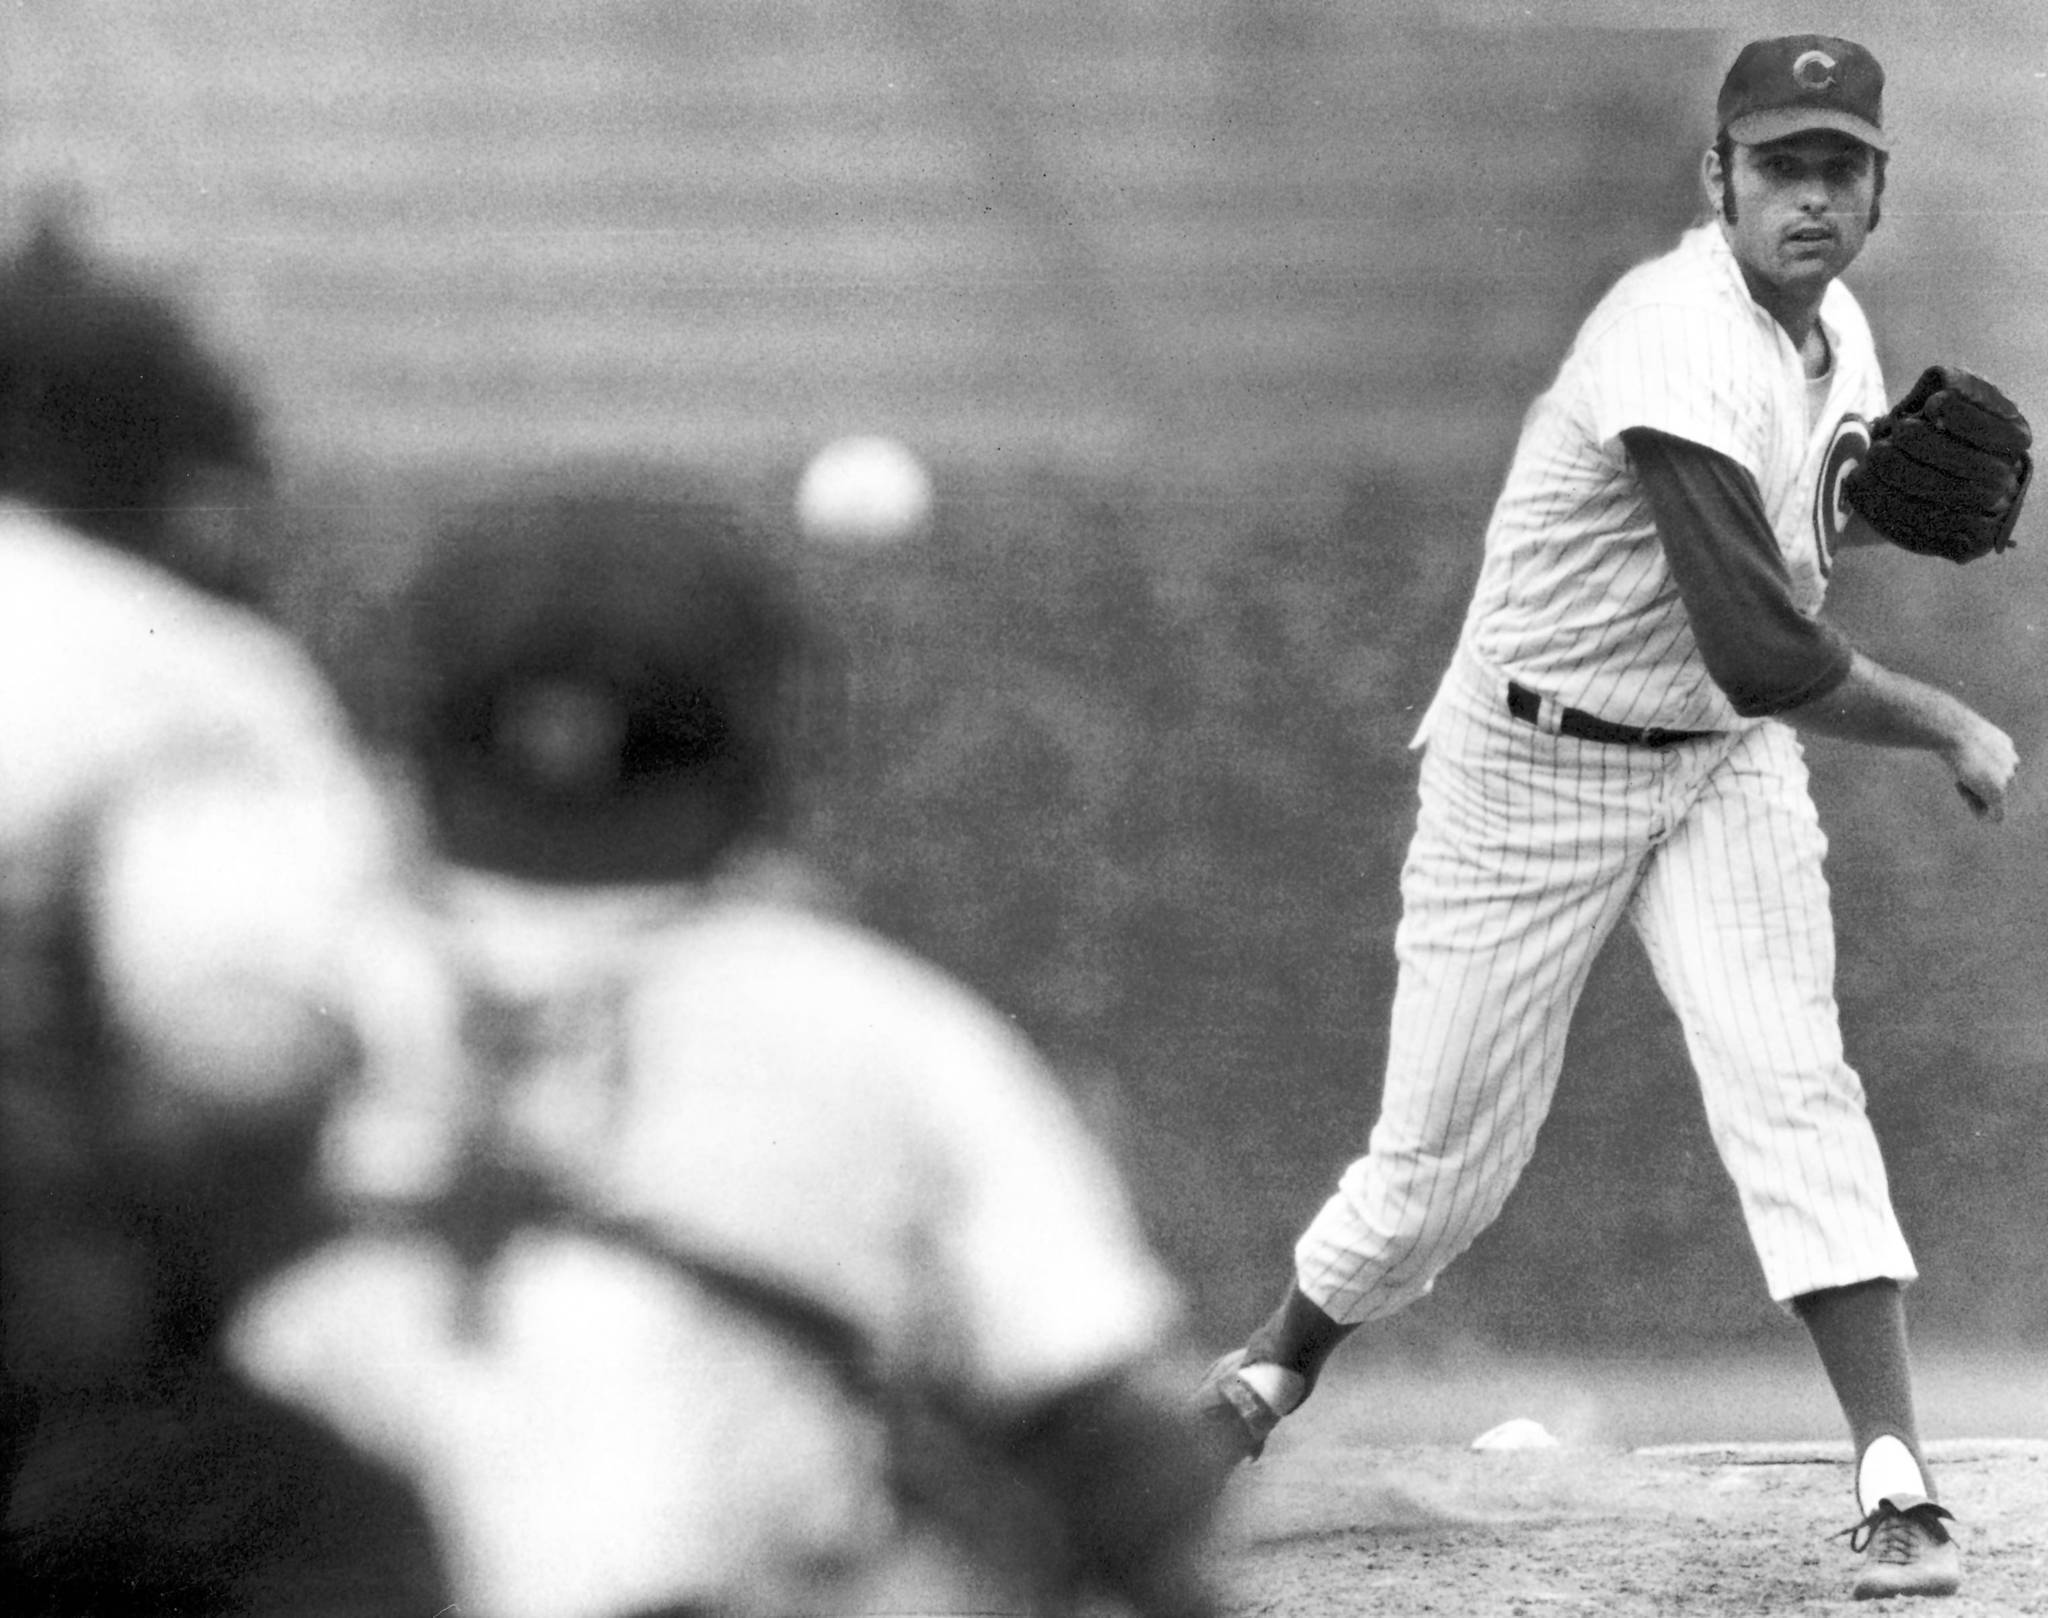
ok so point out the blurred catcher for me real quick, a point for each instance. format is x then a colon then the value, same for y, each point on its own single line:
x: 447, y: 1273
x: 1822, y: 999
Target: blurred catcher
x: 1617, y: 739
x: 189, y: 854
x: 712, y: 1256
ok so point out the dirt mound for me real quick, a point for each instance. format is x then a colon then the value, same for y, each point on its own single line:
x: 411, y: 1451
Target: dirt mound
x: 1705, y: 1530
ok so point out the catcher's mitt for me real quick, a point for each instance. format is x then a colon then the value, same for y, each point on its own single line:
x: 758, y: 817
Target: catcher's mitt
x: 1947, y: 469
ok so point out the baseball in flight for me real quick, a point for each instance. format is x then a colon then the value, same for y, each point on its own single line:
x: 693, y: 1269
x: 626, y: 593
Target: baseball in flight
x: 864, y: 490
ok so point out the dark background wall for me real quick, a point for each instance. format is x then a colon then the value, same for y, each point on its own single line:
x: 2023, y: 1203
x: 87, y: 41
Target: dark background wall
x: 1215, y: 322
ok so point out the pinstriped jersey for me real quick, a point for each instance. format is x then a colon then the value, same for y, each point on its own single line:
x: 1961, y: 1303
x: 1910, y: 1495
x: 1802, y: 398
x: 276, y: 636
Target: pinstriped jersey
x: 1575, y: 598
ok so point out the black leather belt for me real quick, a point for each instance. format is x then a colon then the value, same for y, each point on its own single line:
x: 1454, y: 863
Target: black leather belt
x: 1526, y: 706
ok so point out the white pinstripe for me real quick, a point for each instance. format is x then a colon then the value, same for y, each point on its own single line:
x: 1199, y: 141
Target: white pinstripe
x: 1532, y: 847
x: 1712, y: 851
x: 1574, y: 597
x: 1533, y: 842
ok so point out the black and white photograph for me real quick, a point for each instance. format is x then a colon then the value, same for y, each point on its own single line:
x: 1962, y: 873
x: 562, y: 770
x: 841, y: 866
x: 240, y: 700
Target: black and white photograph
x: 913, y: 809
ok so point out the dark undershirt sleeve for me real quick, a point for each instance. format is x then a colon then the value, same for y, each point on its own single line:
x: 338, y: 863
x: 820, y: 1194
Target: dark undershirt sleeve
x: 1759, y: 647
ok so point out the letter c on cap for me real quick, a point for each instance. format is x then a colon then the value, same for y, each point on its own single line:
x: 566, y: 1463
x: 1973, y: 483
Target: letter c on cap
x: 1815, y: 70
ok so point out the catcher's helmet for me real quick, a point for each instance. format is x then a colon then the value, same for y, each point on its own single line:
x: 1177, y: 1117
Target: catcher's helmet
x: 109, y: 405
x: 604, y: 688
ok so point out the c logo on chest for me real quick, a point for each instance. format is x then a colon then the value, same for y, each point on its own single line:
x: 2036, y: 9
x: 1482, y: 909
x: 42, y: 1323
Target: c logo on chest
x: 1846, y: 451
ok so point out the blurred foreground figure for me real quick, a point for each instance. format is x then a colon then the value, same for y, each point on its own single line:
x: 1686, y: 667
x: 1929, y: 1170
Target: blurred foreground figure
x: 712, y: 1255
x: 187, y: 848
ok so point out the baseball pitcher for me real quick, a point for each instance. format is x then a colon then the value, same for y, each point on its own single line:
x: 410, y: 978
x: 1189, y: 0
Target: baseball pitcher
x: 1617, y: 741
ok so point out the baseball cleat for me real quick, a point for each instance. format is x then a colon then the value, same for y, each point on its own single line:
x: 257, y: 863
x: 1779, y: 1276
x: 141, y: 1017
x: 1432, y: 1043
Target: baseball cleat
x: 1906, y: 1551
x: 1241, y: 1417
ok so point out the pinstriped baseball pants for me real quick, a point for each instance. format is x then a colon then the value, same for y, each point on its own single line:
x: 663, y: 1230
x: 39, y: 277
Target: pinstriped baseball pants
x: 1529, y: 850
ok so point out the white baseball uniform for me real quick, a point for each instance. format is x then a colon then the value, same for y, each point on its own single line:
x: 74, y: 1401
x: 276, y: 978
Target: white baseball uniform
x: 190, y: 854
x: 756, y: 1082
x: 1531, y: 846
x: 187, y: 842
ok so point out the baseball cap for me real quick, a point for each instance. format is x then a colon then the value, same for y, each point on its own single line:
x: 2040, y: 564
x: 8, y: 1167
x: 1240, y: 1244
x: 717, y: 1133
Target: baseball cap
x: 1781, y: 87
x: 606, y: 685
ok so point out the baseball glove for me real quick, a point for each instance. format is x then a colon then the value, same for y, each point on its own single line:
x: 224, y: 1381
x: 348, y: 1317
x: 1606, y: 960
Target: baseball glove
x: 1947, y: 469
